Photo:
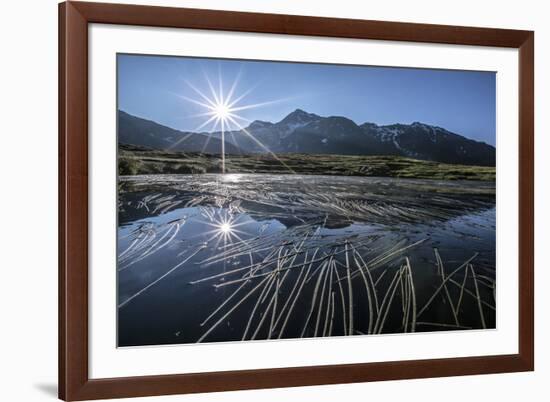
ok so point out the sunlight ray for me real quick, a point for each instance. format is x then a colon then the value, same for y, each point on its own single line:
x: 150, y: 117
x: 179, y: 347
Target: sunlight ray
x: 176, y: 143
x: 191, y: 116
x: 209, y: 137
x: 196, y: 102
x: 258, y: 142
x: 223, y: 144
x: 212, y: 90
x: 220, y: 85
x: 236, y: 116
x: 214, y: 117
x: 228, y: 100
x: 242, y: 96
x: 255, y: 105
x: 200, y: 93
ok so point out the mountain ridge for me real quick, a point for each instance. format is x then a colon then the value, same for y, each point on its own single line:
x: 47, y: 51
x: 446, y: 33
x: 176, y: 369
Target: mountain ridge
x: 147, y: 133
x: 309, y: 133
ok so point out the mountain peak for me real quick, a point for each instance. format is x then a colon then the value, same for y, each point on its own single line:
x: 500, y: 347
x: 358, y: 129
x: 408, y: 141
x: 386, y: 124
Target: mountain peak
x: 299, y: 111
x: 300, y: 116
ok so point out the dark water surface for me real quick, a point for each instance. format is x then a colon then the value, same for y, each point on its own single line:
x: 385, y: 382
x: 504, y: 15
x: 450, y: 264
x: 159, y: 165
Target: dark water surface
x: 231, y: 257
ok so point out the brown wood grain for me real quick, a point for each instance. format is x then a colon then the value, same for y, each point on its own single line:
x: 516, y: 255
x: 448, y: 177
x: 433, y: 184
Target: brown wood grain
x: 526, y: 201
x: 74, y: 382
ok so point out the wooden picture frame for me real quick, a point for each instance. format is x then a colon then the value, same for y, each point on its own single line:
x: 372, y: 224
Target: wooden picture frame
x: 74, y: 381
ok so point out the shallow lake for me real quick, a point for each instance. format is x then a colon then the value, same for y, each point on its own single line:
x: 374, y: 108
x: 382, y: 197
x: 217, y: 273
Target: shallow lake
x: 205, y: 258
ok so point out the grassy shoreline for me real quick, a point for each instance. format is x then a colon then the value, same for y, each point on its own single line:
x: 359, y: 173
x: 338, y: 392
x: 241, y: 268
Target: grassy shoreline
x: 135, y: 160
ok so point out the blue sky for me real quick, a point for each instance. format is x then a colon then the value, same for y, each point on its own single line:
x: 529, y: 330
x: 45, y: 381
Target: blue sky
x: 154, y: 87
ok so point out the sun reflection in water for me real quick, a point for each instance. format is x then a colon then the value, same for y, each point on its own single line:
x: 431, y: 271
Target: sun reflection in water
x: 232, y: 177
x: 225, y: 228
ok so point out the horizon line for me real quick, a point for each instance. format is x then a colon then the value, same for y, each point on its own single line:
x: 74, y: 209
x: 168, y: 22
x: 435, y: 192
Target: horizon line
x: 323, y: 117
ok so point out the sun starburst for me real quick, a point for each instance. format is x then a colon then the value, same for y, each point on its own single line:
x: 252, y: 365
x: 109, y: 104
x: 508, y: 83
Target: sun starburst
x: 225, y: 227
x: 222, y: 112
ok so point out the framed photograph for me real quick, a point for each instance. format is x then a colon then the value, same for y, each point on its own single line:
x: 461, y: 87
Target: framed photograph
x: 259, y: 200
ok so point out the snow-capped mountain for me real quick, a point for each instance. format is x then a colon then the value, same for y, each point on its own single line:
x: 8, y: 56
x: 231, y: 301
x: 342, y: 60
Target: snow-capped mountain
x: 302, y: 132
x: 426, y: 142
